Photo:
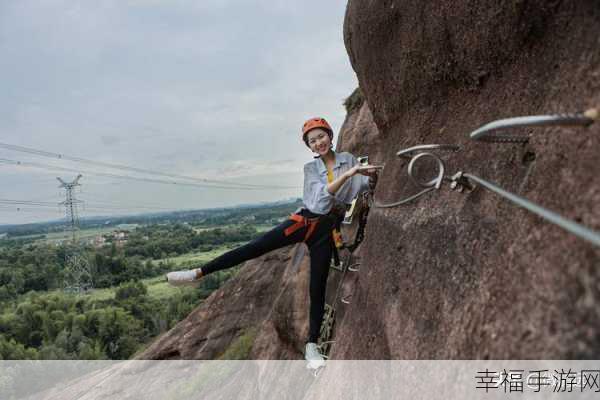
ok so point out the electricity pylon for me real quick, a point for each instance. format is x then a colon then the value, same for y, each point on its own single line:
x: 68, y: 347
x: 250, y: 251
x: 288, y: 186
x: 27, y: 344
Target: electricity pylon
x: 78, y: 277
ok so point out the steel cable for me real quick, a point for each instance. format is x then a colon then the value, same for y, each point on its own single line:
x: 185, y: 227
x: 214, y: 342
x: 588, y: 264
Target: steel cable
x: 486, y: 132
x: 576, y: 229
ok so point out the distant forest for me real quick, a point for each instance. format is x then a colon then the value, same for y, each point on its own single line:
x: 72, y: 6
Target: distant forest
x: 39, y: 321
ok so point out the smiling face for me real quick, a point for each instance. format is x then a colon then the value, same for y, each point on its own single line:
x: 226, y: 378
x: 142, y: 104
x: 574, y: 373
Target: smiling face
x: 319, y: 141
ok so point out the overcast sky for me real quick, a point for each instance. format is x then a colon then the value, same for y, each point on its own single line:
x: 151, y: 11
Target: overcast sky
x: 212, y: 89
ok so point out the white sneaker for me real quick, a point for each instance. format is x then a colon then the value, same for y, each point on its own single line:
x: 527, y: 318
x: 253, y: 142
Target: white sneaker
x: 313, y: 356
x: 183, y: 278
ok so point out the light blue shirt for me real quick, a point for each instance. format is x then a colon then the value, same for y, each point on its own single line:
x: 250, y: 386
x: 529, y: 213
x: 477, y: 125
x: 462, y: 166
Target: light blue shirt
x: 316, y: 198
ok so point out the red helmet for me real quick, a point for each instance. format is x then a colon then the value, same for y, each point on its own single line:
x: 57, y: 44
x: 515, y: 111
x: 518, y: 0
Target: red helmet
x: 314, y: 123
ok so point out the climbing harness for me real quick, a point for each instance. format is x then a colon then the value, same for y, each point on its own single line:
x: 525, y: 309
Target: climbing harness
x: 301, y: 222
x: 415, y: 154
x: 487, y: 133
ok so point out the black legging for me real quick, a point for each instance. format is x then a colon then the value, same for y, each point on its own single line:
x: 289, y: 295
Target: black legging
x: 320, y: 245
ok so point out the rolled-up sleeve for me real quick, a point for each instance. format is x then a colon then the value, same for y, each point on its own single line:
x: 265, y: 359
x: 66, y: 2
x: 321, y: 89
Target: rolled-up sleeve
x: 316, y: 197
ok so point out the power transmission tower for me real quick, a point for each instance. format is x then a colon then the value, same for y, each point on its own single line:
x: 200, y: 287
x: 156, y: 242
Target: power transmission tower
x: 78, y: 277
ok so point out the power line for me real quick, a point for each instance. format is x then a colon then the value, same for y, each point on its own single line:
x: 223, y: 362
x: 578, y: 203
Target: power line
x: 117, y: 207
x: 141, y: 206
x: 5, y: 208
x: 59, y: 156
x: 96, y: 206
x: 128, y: 177
x: 48, y: 210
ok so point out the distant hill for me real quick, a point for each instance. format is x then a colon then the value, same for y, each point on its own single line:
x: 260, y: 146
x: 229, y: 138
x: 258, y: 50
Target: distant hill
x: 171, y: 216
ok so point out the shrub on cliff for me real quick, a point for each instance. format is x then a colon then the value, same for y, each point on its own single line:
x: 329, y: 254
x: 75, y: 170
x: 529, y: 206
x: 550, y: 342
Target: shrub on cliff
x: 354, y: 101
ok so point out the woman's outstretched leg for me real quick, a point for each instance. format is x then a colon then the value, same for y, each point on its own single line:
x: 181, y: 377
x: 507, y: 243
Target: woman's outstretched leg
x: 269, y: 241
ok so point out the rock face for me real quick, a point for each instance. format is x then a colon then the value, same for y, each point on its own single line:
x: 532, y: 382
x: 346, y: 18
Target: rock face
x: 359, y: 135
x: 450, y: 275
x: 470, y: 275
x: 265, y: 303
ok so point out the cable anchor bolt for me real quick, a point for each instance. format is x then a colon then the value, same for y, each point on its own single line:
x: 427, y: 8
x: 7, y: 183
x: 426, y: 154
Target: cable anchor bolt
x: 460, y: 182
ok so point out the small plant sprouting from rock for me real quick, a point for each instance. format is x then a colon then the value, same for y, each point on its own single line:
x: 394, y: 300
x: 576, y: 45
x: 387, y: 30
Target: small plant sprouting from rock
x: 354, y: 101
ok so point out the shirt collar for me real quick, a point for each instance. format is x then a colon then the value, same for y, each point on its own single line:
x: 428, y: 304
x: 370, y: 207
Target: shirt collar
x: 338, y: 162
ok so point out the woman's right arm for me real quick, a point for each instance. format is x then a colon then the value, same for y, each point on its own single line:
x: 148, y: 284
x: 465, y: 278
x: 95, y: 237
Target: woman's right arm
x: 319, y: 197
x: 316, y: 196
x: 334, y: 186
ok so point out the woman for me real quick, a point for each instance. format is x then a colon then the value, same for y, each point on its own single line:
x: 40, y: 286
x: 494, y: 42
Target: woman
x: 331, y: 181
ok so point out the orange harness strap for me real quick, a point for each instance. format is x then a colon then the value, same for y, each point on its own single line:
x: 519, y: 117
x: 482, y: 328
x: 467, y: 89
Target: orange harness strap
x: 301, y: 222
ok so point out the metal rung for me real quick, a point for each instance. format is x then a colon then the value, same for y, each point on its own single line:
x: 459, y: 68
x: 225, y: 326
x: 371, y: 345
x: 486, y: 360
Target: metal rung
x: 349, y: 214
x: 351, y: 267
x: 337, y: 267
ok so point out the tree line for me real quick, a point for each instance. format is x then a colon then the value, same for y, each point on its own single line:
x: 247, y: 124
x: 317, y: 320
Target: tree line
x: 39, y: 322
x: 40, y: 267
x: 52, y: 326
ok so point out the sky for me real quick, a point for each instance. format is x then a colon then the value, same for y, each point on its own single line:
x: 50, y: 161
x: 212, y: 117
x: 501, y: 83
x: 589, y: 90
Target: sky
x: 208, y: 89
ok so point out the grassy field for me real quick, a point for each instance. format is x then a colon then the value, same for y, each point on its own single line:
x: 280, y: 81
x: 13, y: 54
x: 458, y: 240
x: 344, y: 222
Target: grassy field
x: 85, y: 234
x: 198, y: 257
x: 259, y: 227
x: 157, y: 286
x: 82, y: 234
x: 264, y: 228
